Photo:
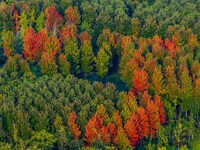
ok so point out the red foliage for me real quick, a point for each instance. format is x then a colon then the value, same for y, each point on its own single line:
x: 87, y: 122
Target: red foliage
x: 131, y: 130
x: 75, y: 129
x: 34, y: 44
x: 153, y: 115
x: 161, y: 110
x: 142, y: 123
x: 140, y: 81
x: 95, y: 130
x: 53, y: 18
x: 29, y: 44
x: 112, y: 131
x: 172, y: 46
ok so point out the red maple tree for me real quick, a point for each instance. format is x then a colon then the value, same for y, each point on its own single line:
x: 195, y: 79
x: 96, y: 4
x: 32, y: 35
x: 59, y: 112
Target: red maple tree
x: 140, y: 81
x: 75, y: 129
x: 53, y: 18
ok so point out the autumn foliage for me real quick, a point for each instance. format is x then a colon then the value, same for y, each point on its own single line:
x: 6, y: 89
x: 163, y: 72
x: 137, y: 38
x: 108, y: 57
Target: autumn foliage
x: 72, y: 15
x: 140, y: 81
x: 34, y: 44
x: 53, y: 18
x: 74, y: 127
x: 95, y: 130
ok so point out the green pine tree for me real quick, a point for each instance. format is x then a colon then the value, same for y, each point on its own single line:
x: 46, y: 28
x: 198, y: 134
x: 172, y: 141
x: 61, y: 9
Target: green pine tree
x: 87, y: 57
x: 102, y: 63
x: 40, y: 22
x: 23, y: 23
x: 73, y: 55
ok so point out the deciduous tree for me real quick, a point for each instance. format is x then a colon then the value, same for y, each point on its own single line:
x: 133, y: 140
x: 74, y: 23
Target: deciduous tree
x: 8, y: 43
x: 53, y: 19
x: 72, y: 15
x: 74, y: 127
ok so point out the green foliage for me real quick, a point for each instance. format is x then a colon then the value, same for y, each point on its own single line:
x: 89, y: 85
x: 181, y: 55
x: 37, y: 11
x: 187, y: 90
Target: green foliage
x: 42, y: 140
x: 102, y: 63
x: 24, y: 23
x: 87, y: 58
x: 72, y: 53
x: 40, y: 22
x: 8, y: 39
x: 28, y: 107
x: 64, y: 65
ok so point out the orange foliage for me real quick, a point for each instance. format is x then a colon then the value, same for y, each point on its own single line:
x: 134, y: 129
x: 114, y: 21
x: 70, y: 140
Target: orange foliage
x: 95, y: 130
x: 131, y: 130
x: 153, y: 115
x: 75, y: 129
x: 112, y: 131
x: 16, y: 19
x: 68, y: 31
x: 146, y: 98
x: 142, y: 123
x: 157, y: 43
x: 139, y: 58
x: 193, y: 40
x: 172, y: 46
x: 72, y: 15
x: 117, y: 119
x: 84, y: 36
x: 161, y: 110
x: 34, y: 44
x: 126, y: 40
x: 140, y: 81
x: 29, y: 44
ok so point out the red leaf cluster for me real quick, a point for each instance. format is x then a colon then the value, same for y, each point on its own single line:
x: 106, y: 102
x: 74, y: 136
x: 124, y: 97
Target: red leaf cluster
x: 53, y: 18
x: 34, y: 44
x: 95, y: 130
x: 75, y: 129
x: 140, y: 81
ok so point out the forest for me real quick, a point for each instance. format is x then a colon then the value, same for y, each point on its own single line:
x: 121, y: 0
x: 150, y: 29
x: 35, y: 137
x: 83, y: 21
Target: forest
x: 99, y: 74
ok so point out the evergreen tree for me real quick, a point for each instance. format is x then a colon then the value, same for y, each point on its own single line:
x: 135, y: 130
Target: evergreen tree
x: 87, y: 57
x: 64, y: 65
x: 8, y: 43
x: 72, y: 53
x: 40, y: 22
x: 24, y: 23
x: 102, y: 63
